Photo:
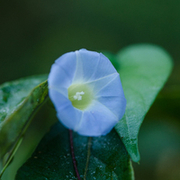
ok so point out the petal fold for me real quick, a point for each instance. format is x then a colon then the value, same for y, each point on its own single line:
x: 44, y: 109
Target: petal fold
x: 97, y: 121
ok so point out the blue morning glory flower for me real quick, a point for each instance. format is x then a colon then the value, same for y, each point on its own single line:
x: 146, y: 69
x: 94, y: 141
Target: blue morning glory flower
x: 86, y: 91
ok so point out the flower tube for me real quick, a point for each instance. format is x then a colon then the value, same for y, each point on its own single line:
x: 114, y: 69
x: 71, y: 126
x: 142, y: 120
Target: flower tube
x: 86, y: 91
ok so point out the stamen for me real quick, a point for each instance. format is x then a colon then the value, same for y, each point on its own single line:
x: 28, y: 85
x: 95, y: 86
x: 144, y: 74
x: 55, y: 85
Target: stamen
x: 78, y: 95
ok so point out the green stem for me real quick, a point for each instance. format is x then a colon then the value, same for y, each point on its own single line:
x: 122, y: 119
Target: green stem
x: 88, y: 156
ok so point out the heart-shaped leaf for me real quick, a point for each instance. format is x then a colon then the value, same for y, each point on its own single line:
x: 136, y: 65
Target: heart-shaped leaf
x: 143, y: 70
x: 18, y: 102
x: 100, y: 158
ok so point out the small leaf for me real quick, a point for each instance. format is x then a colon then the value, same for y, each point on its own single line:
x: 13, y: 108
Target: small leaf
x: 18, y: 102
x: 100, y: 158
x: 143, y: 70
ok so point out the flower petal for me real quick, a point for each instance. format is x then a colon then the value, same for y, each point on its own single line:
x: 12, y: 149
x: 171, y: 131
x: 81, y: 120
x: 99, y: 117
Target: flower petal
x: 91, y: 66
x: 112, y: 96
x: 115, y: 104
x: 86, y: 61
x: 97, y: 121
x: 68, y: 115
x: 104, y: 68
x: 62, y: 72
x: 99, y: 84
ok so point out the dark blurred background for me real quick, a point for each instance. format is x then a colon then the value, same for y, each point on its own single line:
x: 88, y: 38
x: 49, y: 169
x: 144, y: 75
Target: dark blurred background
x: 34, y: 33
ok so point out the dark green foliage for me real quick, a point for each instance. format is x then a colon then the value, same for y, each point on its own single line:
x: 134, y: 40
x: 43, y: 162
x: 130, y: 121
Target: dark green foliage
x: 52, y: 159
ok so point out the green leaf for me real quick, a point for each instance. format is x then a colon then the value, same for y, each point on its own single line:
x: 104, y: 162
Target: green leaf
x: 18, y: 102
x: 143, y: 70
x: 97, y: 158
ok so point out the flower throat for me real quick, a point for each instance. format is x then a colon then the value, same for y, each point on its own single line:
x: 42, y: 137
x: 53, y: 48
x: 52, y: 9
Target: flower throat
x: 80, y: 95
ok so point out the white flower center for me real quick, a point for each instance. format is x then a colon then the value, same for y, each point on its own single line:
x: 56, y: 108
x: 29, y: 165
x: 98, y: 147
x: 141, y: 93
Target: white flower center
x: 78, y: 95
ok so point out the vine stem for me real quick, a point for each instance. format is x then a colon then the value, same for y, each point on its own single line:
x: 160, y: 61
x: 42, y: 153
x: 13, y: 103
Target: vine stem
x: 72, y: 154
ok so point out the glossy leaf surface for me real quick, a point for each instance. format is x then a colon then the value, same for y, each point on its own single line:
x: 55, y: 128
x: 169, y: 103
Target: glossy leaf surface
x: 18, y: 101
